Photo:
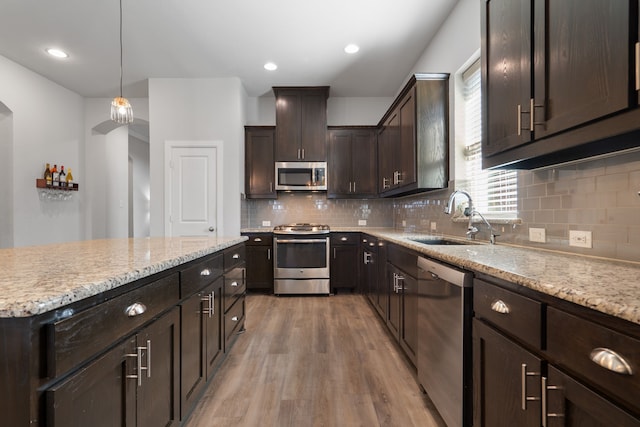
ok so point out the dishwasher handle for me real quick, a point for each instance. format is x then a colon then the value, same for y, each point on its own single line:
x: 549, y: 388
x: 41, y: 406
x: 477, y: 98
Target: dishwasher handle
x: 438, y: 271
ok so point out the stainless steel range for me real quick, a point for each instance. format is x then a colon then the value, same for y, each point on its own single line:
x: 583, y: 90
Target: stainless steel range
x: 301, y: 259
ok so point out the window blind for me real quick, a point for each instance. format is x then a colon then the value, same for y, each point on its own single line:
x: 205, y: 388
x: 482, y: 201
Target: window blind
x: 495, y: 193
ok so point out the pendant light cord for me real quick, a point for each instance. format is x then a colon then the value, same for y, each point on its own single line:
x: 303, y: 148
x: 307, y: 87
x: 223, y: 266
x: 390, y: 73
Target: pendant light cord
x: 120, y: 48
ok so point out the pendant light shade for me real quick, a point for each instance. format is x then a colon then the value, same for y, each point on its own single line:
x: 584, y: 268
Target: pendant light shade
x: 121, y: 111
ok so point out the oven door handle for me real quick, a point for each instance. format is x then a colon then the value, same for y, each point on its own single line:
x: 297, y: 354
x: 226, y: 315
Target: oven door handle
x: 301, y: 240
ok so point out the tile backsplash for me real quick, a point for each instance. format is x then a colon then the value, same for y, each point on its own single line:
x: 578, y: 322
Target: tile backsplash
x: 598, y: 195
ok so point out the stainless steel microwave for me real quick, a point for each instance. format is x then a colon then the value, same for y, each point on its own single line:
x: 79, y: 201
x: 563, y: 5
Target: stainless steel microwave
x: 301, y: 176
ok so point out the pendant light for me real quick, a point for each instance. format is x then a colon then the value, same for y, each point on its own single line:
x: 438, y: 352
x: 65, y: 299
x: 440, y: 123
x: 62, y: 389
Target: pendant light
x: 121, y: 111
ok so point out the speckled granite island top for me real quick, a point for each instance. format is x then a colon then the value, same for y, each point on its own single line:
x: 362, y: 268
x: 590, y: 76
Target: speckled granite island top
x: 606, y: 286
x: 38, y: 279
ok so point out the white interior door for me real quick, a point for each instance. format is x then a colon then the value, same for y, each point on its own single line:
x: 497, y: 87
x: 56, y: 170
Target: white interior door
x: 193, y: 191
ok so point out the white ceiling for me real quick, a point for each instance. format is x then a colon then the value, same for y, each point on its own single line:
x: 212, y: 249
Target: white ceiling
x: 214, y: 38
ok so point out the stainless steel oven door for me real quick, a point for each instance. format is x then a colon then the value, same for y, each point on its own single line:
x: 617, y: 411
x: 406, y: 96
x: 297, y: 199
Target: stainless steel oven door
x: 301, y: 257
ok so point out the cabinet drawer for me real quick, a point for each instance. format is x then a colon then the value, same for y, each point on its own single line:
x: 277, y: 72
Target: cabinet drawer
x: 345, y: 238
x: 405, y: 260
x: 76, y: 338
x: 234, y: 285
x: 513, y: 313
x: 194, y: 278
x: 233, y: 319
x: 573, y: 342
x: 259, y: 239
x: 234, y: 256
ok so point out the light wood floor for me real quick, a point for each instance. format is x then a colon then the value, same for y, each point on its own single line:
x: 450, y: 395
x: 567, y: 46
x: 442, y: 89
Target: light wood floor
x: 314, y: 361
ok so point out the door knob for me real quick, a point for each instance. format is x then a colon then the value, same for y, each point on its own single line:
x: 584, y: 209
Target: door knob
x: 212, y: 229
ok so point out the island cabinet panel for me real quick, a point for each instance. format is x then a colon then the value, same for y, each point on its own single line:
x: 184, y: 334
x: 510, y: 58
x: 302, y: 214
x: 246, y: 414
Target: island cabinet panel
x: 134, y: 384
x: 233, y: 306
x: 560, y: 79
x: 76, y: 338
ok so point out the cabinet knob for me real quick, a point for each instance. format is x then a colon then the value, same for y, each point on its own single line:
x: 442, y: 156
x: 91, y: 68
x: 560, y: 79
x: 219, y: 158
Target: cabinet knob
x: 234, y: 318
x: 236, y: 256
x: 609, y: 359
x: 234, y: 284
x: 135, y: 309
x: 205, y: 272
x: 500, y: 306
x: 257, y: 239
x: 344, y: 239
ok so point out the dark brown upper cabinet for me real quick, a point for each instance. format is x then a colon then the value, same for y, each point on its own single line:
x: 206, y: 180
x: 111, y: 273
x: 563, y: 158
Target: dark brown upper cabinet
x: 301, y: 123
x: 413, y: 142
x: 259, y: 163
x: 559, y: 80
x: 352, y: 164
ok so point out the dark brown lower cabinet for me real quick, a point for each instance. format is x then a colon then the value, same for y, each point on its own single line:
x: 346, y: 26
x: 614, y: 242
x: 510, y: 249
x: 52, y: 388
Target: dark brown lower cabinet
x: 344, y: 261
x: 201, y: 342
x: 498, y: 378
x: 259, y: 262
x: 133, y: 384
x: 570, y: 403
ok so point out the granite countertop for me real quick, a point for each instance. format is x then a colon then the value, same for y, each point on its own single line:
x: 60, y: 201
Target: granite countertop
x: 38, y: 279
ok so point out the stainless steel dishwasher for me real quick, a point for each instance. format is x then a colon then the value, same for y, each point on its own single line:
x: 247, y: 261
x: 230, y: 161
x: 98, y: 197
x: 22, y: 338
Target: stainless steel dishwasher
x: 444, y: 339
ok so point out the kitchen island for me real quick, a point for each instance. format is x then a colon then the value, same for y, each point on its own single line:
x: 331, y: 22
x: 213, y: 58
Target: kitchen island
x: 77, y: 321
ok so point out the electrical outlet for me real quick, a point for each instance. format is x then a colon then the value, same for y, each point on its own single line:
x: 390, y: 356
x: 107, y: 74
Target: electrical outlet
x: 362, y: 222
x: 434, y: 226
x: 580, y: 239
x: 537, y: 235
x: 266, y: 223
x: 404, y: 223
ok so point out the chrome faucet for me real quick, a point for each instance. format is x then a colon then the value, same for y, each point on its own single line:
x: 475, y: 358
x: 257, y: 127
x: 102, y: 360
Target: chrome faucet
x: 470, y: 211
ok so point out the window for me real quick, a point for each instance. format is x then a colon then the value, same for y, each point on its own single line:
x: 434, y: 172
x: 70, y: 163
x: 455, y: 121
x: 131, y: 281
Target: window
x: 495, y: 193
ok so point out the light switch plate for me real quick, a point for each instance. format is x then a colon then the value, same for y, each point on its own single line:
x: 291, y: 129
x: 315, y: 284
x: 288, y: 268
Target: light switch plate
x: 538, y: 235
x: 362, y: 222
x: 580, y: 239
x: 404, y: 223
x: 434, y: 226
x: 266, y: 223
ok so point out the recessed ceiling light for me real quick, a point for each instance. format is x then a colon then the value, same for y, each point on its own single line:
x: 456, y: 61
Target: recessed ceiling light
x: 57, y: 52
x: 351, y: 48
x: 270, y: 66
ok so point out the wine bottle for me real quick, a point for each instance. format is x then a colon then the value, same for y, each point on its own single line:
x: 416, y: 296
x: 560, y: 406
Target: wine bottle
x: 69, y: 179
x: 55, y: 176
x: 62, y: 179
x: 47, y: 176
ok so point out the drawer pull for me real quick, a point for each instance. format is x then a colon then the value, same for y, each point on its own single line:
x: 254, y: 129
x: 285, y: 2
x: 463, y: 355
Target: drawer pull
x: 610, y: 360
x: 546, y: 415
x: 257, y: 239
x: 344, y: 239
x: 205, y: 272
x: 135, y: 309
x: 523, y: 382
x: 235, y: 256
x: 234, y: 318
x: 500, y: 306
x: 234, y: 284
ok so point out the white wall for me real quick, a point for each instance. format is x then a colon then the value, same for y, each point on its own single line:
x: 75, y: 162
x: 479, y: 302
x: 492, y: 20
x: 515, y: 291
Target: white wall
x: 6, y: 177
x: 47, y: 127
x: 139, y: 154
x: 198, y: 109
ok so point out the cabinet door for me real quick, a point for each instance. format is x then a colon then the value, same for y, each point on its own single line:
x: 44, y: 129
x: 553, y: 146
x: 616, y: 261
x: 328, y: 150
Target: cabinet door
x: 407, y: 145
x: 259, y: 163
x: 506, y: 381
x: 344, y: 258
x: 192, y: 355
x: 395, y: 300
x: 339, y: 163
x: 287, y: 126
x: 409, y: 324
x: 506, y: 51
x: 571, y: 404
x: 97, y: 395
x: 313, y: 123
x: 582, y: 62
x: 214, y: 345
x: 364, y: 168
x: 387, y: 153
x: 158, y: 396
x: 259, y: 268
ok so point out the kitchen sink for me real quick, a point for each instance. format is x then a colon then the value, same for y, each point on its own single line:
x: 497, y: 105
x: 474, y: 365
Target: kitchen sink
x: 440, y: 241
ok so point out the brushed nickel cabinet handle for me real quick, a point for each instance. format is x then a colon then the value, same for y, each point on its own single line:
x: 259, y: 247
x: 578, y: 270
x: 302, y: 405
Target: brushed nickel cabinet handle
x: 269, y: 253
x: 236, y: 256
x: 257, y: 239
x: 148, y: 368
x: 135, y: 309
x: 519, y: 121
x: 609, y: 359
x: 234, y: 318
x: 343, y: 239
x: 334, y: 253
x: 638, y: 66
x: 205, y: 272
x: 500, y: 306
x: 139, y: 367
x: 523, y: 381
x: 545, y: 414
x: 234, y: 284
